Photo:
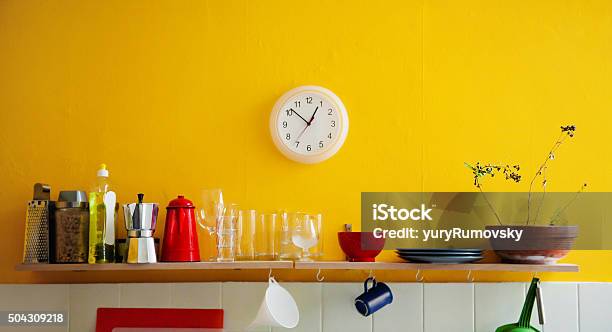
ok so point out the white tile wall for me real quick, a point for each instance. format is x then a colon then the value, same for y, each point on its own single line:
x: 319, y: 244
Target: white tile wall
x: 405, y: 313
x: 144, y: 295
x: 241, y: 302
x: 308, y: 299
x: 35, y: 298
x: 584, y: 307
x: 85, y: 299
x: 595, y: 307
x: 339, y: 313
x: 448, y: 307
x: 200, y: 295
x: 496, y: 304
x: 561, y: 307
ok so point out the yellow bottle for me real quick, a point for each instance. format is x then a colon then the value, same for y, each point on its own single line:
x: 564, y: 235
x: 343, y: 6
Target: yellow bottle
x: 102, y: 217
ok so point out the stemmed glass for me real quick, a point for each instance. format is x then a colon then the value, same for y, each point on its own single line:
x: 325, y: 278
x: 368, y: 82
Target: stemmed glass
x: 304, y: 235
x: 211, y: 209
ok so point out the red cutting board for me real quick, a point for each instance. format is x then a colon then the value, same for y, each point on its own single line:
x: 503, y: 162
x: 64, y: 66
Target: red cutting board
x: 109, y: 318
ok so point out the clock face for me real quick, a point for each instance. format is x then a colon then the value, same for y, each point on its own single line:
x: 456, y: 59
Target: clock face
x: 309, y: 124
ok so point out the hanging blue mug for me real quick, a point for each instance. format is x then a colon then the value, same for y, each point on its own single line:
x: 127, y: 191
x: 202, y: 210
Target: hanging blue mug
x: 374, y: 298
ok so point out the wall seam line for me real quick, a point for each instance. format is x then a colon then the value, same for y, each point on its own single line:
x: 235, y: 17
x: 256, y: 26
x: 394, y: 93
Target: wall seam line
x: 473, y: 307
x: 69, y: 303
x: 321, y: 308
x: 171, y: 295
x: 423, y: 305
x: 578, y: 306
x: 221, y: 295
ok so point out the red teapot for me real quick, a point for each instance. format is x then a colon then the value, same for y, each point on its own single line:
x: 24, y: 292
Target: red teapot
x: 180, y: 233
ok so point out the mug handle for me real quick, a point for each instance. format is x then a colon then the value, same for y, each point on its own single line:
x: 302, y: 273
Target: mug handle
x: 365, y: 284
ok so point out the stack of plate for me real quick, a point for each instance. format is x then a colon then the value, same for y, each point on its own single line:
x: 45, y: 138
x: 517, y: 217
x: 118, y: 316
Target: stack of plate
x: 445, y: 256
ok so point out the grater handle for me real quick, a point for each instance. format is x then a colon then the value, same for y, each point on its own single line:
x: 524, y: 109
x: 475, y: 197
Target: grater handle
x: 42, y: 192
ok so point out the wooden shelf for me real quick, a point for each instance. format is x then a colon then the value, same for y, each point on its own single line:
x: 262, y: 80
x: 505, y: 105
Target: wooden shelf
x: 323, y: 265
x: 343, y: 265
x: 238, y: 265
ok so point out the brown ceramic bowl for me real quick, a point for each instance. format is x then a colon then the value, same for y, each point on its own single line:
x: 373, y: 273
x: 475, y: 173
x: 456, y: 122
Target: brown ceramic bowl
x: 360, y: 246
x: 538, y: 244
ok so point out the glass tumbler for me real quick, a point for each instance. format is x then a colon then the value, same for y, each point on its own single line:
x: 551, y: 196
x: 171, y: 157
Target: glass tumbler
x: 265, y: 234
x: 316, y: 252
x: 226, y: 238
x: 231, y: 209
x: 245, y: 227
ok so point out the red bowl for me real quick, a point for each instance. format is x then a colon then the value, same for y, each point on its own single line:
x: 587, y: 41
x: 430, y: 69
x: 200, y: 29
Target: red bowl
x: 360, y: 246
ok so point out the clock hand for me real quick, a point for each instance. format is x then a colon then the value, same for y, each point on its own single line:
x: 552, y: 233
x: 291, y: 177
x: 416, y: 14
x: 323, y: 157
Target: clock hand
x: 298, y: 114
x: 302, y: 133
x: 313, y: 115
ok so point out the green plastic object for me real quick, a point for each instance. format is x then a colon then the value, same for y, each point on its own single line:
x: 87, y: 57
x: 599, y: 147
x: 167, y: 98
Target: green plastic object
x: 523, y: 324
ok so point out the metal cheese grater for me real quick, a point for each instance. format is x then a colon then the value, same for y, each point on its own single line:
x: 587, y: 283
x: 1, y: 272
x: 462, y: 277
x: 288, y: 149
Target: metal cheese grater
x: 39, y: 221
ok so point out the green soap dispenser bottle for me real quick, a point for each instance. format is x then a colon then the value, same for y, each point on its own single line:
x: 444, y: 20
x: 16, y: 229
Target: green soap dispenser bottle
x: 102, y: 216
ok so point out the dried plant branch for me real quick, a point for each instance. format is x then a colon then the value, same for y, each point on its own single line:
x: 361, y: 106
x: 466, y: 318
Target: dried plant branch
x: 511, y: 173
x: 490, y: 205
x: 544, y: 183
x: 479, y: 171
x: 557, y: 215
x: 566, y: 131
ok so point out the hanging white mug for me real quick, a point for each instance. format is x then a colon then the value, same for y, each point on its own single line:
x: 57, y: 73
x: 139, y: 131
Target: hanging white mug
x: 278, y: 308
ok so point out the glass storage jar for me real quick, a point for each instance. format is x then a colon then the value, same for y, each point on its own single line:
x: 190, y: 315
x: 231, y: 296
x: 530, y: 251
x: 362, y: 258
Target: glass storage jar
x: 71, y: 227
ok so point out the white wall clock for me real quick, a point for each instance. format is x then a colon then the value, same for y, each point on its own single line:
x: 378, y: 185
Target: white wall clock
x: 309, y: 124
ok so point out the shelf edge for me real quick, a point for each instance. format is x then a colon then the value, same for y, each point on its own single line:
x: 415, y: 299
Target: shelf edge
x: 342, y: 265
x: 317, y: 265
x: 239, y: 265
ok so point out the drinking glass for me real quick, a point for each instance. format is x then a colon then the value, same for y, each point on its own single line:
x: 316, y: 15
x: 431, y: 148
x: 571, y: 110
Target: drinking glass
x: 231, y: 209
x: 265, y: 231
x: 226, y: 238
x: 316, y: 251
x: 305, y: 235
x: 211, y: 208
x: 245, y: 227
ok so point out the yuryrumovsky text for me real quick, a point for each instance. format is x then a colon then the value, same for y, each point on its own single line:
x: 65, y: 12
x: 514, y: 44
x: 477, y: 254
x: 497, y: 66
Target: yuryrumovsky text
x: 382, y: 212
x: 448, y: 234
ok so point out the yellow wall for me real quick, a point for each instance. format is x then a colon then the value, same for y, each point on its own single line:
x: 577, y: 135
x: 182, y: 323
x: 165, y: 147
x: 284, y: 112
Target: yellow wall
x: 175, y: 96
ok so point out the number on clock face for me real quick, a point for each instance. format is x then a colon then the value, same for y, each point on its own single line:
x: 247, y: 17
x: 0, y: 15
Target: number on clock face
x: 308, y: 124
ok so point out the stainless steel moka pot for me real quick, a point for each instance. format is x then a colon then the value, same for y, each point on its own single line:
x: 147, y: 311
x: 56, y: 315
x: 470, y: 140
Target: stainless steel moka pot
x: 140, y: 219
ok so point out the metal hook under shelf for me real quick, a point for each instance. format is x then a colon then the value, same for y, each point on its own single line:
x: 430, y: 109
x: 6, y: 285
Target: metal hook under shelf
x: 371, y: 275
x: 417, y: 278
x: 470, y: 276
x: 270, y: 274
x: 319, y: 277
